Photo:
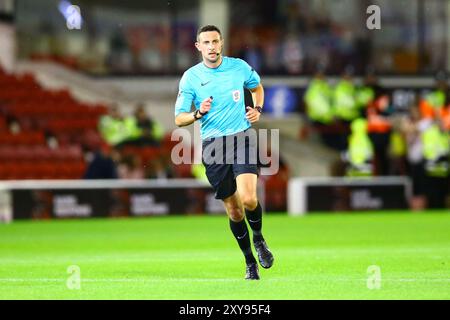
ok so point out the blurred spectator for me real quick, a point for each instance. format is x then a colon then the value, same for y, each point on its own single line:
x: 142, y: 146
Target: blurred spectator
x: 412, y: 126
x: 345, y: 105
x: 120, y: 58
x: 276, y: 186
x: 292, y: 54
x: 318, y: 98
x: 150, y: 131
x: 149, y: 55
x: 397, y: 151
x: 435, y: 101
x: 436, y: 104
x: 185, y: 53
x: 103, y: 165
x: 368, y: 91
x: 379, y: 128
x: 110, y: 126
x: 131, y: 168
x: 319, y: 108
x: 117, y: 130
x: 199, y: 172
x: 436, y: 151
x: 360, y: 150
x: 271, y: 52
x: 252, y: 53
x: 344, y: 97
x: 428, y: 156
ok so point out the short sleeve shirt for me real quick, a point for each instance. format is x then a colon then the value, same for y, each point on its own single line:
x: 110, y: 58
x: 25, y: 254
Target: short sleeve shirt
x: 226, y: 85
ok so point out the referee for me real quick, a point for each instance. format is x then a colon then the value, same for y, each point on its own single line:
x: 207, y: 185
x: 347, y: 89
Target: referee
x: 216, y: 88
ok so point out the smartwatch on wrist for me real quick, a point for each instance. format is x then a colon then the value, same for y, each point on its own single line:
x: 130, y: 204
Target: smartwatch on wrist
x: 196, y: 112
x: 258, y: 108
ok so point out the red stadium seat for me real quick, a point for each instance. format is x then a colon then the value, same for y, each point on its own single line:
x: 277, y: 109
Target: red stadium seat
x: 40, y: 113
x: 45, y: 170
x: 28, y: 171
x: 3, y: 124
x: 13, y: 171
x: 68, y: 153
x: 24, y: 153
x: 148, y: 154
x: 42, y: 153
x: 3, y: 171
x: 23, y: 138
x: 7, y: 153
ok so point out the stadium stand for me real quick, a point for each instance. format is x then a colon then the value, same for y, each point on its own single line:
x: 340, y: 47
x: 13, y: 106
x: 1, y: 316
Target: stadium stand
x: 30, y: 117
x: 46, y: 134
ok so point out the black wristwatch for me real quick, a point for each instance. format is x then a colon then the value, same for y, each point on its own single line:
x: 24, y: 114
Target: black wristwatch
x: 258, y: 108
x: 198, y: 112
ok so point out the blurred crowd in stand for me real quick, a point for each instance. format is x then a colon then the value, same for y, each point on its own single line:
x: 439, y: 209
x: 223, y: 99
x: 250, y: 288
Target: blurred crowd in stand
x: 282, y: 37
x: 132, y: 148
x: 292, y: 50
x: 359, y: 121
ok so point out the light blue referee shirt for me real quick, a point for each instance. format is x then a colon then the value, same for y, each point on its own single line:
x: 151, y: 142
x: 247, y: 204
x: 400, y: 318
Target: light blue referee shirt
x: 226, y: 85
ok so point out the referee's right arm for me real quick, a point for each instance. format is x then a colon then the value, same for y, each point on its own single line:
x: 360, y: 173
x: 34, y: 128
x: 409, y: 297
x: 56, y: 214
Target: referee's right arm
x: 183, y: 105
x: 186, y: 118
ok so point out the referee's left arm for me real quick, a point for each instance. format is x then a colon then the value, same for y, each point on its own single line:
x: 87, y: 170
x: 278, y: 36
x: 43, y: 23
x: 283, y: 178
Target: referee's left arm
x: 253, y: 83
x: 254, y: 113
x: 258, y: 95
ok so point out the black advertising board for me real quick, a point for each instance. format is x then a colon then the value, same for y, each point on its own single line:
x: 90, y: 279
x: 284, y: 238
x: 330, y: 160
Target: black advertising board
x: 309, y: 195
x: 356, y: 198
x: 118, y: 201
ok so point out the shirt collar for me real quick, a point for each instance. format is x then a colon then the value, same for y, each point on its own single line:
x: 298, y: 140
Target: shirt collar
x: 216, y: 69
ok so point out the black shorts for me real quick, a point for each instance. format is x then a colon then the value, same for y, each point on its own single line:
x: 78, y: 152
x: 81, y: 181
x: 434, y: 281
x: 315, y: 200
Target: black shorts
x: 239, y: 155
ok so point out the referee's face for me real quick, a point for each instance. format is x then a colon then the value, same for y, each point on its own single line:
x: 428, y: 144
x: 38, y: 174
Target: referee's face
x: 210, y: 44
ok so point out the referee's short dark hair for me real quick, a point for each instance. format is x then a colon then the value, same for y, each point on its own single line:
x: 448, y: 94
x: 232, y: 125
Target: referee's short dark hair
x: 207, y: 28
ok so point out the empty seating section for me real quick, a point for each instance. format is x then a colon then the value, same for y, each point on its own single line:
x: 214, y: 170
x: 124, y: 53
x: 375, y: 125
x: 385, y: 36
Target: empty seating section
x: 40, y: 114
x: 22, y: 138
x: 33, y: 118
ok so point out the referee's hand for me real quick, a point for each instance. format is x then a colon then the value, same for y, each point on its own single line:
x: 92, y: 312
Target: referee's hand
x: 252, y: 114
x: 205, y: 106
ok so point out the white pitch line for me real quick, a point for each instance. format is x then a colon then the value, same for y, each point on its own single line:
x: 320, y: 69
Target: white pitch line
x: 443, y: 280
x: 118, y: 280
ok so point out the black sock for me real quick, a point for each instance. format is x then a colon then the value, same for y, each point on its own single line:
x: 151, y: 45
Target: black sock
x: 254, y: 219
x: 240, y: 232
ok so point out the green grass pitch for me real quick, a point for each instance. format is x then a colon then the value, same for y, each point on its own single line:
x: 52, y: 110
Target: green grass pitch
x: 319, y: 256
